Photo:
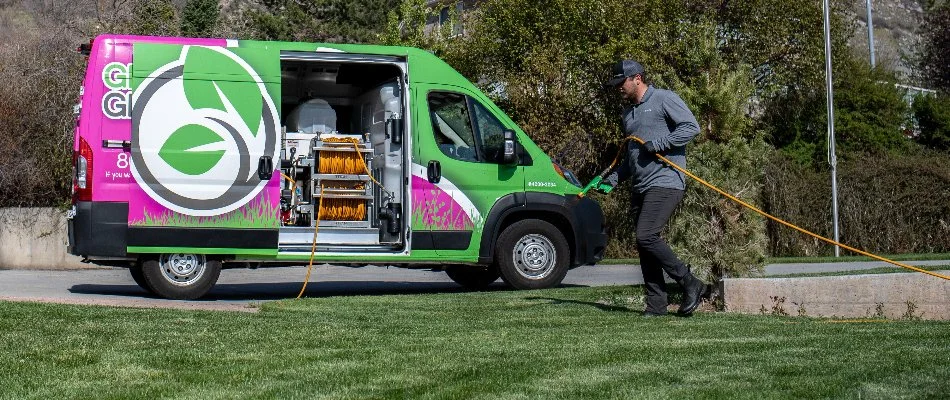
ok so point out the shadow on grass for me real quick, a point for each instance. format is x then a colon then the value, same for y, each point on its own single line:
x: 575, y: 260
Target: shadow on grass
x: 601, y: 306
x: 287, y: 290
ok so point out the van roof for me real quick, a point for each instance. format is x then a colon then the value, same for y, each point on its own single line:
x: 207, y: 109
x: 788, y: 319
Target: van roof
x: 423, y: 65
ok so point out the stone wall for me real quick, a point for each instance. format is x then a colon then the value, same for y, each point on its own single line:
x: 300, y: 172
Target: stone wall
x: 35, y: 238
x: 892, y: 296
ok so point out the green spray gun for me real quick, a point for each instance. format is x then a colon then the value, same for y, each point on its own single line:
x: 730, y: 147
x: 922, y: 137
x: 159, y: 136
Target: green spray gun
x: 598, y: 182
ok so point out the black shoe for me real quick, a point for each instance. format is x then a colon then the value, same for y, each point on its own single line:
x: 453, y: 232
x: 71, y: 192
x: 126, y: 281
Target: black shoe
x: 650, y: 314
x: 692, y: 295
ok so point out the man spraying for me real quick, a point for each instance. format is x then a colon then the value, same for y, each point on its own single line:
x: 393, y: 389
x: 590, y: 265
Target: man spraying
x: 663, y: 122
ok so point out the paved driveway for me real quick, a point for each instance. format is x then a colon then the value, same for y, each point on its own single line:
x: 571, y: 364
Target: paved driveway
x: 241, y: 289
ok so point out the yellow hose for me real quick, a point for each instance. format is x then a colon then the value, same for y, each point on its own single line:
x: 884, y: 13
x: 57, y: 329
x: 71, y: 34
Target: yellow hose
x: 346, y: 209
x: 313, y: 249
x: 776, y: 219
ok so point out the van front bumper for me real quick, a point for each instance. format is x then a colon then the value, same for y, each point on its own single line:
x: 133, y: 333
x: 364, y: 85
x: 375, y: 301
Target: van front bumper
x: 591, y: 240
x: 98, y: 229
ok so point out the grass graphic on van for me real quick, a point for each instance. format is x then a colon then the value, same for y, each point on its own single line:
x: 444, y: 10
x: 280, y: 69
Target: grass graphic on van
x: 257, y: 213
x: 437, y: 213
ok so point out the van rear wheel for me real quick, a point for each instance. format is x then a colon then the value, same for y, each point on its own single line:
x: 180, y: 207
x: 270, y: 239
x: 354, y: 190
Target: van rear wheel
x: 181, y: 276
x: 532, y: 254
x: 472, y: 277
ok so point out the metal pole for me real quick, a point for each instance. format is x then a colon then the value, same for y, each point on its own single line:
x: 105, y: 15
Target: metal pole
x: 832, y: 159
x: 871, y: 34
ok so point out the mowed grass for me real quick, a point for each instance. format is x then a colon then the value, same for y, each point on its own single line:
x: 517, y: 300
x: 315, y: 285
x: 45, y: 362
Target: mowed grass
x: 568, y: 343
x: 872, y: 271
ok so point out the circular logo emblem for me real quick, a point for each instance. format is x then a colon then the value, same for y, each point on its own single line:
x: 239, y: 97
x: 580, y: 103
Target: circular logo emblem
x: 197, y: 140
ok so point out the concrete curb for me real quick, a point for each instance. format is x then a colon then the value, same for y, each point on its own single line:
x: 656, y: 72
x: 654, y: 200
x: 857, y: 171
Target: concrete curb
x: 896, y: 296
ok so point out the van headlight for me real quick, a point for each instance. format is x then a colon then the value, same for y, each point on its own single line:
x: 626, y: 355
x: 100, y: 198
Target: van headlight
x: 567, y: 174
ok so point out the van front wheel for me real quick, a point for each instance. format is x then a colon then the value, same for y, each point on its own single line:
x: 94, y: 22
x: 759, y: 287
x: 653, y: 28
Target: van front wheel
x: 181, y: 276
x: 532, y: 254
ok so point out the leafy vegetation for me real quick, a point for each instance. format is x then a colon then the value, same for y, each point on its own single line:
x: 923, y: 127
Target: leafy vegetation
x: 338, y: 21
x: 870, y: 115
x: 933, y: 118
x: 894, y: 204
x: 199, y: 17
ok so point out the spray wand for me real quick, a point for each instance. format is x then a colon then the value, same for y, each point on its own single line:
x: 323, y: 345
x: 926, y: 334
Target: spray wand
x: 598, y: 182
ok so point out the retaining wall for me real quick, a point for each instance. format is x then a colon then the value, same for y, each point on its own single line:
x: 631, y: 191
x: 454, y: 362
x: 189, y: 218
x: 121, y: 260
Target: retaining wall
x: 35, y: 238
x: 898, y: 295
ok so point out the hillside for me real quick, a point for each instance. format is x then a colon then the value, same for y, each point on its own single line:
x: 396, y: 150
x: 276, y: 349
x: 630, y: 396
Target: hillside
x: 895, y: 33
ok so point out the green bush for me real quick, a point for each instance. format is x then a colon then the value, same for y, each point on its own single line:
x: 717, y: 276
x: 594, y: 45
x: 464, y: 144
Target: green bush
x: 199, y: 17
x: 870, y: 114
x: 335, y: 21
x: 36, y: 119
x: 933, y: 118
x: 891, y: 204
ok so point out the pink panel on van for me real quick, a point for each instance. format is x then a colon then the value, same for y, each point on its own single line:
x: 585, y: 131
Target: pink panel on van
x: 106, y: 108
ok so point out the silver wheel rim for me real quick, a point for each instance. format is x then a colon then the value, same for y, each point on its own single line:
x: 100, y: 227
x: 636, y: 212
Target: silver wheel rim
x: 182, y: 269
x: 534, y: 256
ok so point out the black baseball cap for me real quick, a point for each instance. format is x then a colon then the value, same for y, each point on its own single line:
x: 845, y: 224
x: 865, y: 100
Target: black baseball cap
x: 623, y: 70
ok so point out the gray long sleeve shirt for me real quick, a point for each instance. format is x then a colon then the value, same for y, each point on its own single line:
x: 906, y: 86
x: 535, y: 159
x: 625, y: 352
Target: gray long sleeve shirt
x: 663, y: 118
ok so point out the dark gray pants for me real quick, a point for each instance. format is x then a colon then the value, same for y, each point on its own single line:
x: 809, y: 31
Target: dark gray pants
x: 651, y: 211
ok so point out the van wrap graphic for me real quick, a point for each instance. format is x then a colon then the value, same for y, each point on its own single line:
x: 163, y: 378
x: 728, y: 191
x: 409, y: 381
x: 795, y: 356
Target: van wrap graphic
x: 441, y: 206
x: 116, y: 78
x: 200, y: 123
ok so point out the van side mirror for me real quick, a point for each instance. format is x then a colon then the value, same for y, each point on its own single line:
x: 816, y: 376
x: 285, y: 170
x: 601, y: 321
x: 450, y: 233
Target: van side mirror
x: 510, y: 149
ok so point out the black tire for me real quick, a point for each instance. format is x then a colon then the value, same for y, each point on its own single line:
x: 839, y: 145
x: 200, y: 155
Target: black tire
x: 139, y: 277
x: 472, y: 276
x: 532, y: 241
x: 191, y: 286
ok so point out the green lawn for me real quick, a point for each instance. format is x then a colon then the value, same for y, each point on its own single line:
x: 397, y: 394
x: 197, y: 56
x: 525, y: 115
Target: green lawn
x: 569, y: 343
x: 847, y: 258
x: 872, y: 271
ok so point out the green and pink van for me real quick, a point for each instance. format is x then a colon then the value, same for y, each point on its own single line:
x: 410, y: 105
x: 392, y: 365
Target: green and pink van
x: 193, y: 155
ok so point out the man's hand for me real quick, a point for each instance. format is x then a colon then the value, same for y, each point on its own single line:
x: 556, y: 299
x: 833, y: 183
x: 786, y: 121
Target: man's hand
x: 651, y: 147
x: 607, y: 184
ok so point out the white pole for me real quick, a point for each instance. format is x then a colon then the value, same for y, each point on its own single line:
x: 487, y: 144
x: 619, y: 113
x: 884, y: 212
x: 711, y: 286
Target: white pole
x: 832, y: 159
x: 871, y: 34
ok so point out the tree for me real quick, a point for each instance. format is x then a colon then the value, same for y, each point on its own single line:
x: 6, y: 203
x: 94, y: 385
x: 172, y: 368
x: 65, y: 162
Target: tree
x: 934, y: 59
x: 870, y: 114
x: 933, y: 118
x: 153, y: 17
x: 782, y: 41
x: 339, y: 21
x: 199, y: 17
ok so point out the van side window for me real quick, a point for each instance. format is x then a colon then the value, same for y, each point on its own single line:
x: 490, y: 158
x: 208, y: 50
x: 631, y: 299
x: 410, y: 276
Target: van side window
x: 491, y: 133
x: 464, y: 129
x: 452, y: 125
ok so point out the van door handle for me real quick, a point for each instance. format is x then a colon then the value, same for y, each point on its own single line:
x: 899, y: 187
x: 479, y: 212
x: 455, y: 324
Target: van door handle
x: 434, y: 171
x: 265, y: 168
